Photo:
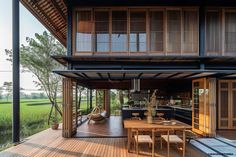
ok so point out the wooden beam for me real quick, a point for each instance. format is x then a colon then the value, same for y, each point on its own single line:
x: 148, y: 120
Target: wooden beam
x: 139, y: 76
x: 190, y: 75
x: 56, y: 6
x: 100, y: 75
x: 79, y: 75
x: 155, y: 76
x: 171, y: 76
x: 85, y: 75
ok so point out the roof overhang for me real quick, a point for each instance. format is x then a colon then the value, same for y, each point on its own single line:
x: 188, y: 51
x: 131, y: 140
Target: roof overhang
x: 99, y: 78
x: 52, y: 14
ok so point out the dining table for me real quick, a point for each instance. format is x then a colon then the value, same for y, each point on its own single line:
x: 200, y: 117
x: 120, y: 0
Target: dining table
x: 157, y: 125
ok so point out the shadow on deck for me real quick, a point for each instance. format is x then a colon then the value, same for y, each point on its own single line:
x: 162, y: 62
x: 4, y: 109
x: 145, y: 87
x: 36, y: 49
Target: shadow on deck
x: 51, y: 143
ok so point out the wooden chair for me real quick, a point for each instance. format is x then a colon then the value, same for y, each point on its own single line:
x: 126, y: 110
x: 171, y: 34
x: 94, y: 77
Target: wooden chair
x: 143, y: 138
x: 170, y: 139
x: 189, y: 134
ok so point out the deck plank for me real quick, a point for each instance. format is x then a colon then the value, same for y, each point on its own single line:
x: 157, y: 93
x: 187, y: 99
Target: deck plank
x: 50, y: 143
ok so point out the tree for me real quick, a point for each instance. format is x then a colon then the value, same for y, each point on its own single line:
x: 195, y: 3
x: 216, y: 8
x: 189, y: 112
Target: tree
x: 1, y: 91
x: 121, y: 97
x: 7, y: 86
x: 36, y: 58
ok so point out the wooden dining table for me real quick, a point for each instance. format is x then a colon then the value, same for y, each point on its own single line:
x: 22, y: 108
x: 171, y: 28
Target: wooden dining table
x: 157, y: 125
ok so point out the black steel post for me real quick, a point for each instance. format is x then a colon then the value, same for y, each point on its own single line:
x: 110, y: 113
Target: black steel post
x: 87, y: 92
x: 91, y: 99
x: 16, y: 71
x: 69, y: 28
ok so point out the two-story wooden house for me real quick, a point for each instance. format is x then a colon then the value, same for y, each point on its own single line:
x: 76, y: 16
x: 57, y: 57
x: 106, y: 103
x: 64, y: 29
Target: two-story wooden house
x: 166, y: 44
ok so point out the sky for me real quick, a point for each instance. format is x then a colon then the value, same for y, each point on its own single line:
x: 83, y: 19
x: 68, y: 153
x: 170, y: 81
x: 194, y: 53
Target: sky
x: 29, y: 25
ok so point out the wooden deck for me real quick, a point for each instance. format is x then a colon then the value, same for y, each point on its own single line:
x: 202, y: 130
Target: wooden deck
x: 112, y: 127
x: 50, y: 143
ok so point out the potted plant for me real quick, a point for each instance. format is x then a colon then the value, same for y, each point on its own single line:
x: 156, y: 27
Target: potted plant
x: 54, y: 122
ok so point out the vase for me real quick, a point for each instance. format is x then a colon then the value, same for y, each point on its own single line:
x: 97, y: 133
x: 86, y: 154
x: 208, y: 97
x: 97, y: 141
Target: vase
x: 149, y: 119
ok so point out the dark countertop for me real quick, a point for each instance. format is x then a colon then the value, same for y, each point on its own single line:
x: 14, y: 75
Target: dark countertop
x: 178, y: 107
x: 143, y: 109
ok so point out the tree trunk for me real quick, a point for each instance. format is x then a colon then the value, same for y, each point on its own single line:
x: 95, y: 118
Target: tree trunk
x: 121, y: 97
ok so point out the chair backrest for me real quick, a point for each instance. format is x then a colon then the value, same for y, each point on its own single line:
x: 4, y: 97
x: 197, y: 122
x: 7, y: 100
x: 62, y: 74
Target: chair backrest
x: 135, y: 114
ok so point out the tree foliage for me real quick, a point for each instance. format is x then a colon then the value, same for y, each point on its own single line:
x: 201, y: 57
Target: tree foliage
x: 7, y: 86
x: 36, y: 58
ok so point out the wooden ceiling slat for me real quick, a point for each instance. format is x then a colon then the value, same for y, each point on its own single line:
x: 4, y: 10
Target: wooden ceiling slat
x: 52, y: 14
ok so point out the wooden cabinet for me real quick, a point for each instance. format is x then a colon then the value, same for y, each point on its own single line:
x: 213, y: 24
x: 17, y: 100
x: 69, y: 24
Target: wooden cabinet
x: 227, y: 104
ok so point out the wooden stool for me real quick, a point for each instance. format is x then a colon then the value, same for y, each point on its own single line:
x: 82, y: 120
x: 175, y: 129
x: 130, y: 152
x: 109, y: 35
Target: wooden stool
x: 160, y: 116
x: 135, y: 116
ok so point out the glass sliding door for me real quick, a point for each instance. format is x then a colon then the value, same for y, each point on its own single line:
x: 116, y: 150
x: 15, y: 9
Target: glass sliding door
x: 137, y: 36
x: 119, y: 31
x: 84, y: 31
x: 233, y: 104
x: 227, y: 104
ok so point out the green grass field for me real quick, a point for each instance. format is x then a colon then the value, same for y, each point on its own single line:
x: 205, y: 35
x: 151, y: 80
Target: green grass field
x: 33, y: 118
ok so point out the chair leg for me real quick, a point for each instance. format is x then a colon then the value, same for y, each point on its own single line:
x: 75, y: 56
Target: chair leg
x: 137, y: 151
x: 153, y: 146
x: 161, y: 143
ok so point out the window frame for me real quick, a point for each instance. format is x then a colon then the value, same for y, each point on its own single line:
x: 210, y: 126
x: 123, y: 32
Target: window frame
x: 148, y: 40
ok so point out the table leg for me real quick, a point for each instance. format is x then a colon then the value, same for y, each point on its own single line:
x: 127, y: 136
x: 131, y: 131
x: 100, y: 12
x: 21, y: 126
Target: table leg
x: 168, y: 144
x: 184, y: 140
x: 129, y: 132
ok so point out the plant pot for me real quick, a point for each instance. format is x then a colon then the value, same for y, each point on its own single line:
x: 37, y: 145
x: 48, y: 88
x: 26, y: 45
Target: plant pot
x: 55, y: 126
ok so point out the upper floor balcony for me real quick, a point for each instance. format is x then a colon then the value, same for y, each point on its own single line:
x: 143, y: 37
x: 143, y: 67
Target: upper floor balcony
x: 157, y: 31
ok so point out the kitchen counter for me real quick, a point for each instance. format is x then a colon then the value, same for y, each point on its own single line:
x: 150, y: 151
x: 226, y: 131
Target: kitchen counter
x: 170, y: 112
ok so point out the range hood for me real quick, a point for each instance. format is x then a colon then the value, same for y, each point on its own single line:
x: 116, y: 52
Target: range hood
x: 135, y: 85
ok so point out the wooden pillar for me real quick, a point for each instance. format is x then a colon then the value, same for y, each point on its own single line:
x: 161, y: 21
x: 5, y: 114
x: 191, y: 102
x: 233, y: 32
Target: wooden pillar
x: 67, y: 108
x: 107, y: 102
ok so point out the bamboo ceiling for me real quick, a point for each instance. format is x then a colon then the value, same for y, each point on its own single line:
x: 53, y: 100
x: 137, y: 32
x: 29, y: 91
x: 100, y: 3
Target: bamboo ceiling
x: 52, y: 14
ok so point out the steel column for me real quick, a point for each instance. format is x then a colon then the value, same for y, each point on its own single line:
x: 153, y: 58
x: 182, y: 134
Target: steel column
x: 69, y: 30
x: 91, y: 99
x: 16, y: 71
